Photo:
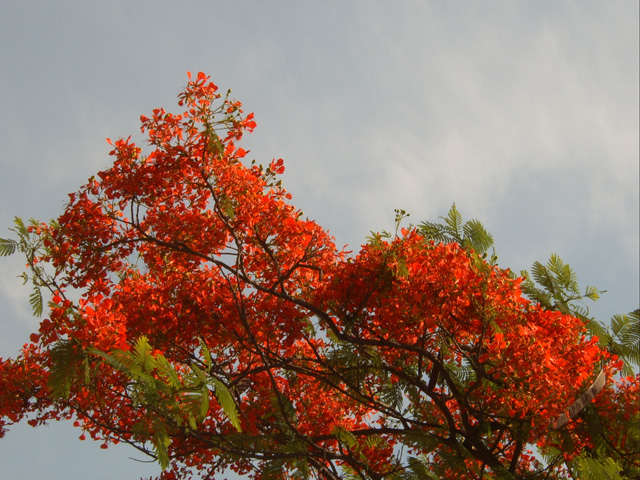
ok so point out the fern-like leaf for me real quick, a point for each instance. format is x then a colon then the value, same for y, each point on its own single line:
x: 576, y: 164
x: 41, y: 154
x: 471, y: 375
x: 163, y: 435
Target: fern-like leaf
x: 161, y: 442
x: 35, y: 300
x: 167, y: 372
x: 272, y: 469
x: 419, y: 470
x: 434, y: 231
x: 454, y: 221
x: 204, y: 405
x: 7, y: 247
x: 345, y: 437
x: 142, y: 355
x: 471, y: 235
x: 624, y: 339
x: 477, y: 237
x: 208, y: 361
x: 590, y: 468
x: 226, y: 401
x: 63, y: 371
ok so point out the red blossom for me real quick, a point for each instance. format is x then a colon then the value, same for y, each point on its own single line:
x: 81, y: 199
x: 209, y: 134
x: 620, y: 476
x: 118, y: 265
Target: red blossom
x: 341, y: 357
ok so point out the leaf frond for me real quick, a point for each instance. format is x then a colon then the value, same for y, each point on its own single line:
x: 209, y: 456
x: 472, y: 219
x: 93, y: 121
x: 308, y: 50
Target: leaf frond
x: 7, y: 247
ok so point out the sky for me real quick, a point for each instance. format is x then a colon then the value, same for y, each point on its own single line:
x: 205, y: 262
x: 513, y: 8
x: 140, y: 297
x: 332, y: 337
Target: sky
x: 525, y: 114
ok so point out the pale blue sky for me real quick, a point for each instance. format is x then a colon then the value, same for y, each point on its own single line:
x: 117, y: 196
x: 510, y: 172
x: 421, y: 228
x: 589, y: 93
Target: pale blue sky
x: 523, y: 113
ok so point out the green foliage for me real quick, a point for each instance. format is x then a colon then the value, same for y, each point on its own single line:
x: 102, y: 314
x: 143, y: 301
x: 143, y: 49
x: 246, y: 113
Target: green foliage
x: 623, y: 339
x: 68, y: 361
x: 461, y: 374
x: 161, y: 442
x: 28, y: 243
x: 8, y: 247
x: 273, y: 469
x: 555, y: 287
x: 419, y: 470
x: 171, y: 398
x: 354, y: 366
x: 35, y: 300
x: 586, y: 467
x: 345, y: 437
x: 601, y: 458
x: 226, y: 401
x: 470, y: 235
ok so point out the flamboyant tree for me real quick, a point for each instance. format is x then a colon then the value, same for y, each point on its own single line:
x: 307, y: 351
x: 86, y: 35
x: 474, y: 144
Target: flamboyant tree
x: 195, y: 314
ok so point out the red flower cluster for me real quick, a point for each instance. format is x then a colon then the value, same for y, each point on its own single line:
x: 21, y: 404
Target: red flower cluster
x: 330, y: 361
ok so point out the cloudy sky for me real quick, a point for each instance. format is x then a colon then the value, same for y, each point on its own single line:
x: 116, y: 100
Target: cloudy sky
x: 525, y: 114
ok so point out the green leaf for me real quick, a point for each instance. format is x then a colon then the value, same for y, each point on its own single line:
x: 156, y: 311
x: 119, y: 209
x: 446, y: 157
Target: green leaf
x: 167, y: 372
x: 592, y: 293
x: 345, y: 436
x: 161, y: 442
x: 204, y: 405
x: 589, y: 468
x: 542, y: 276
x: 207, y: 355
x: 272, y: 469
x: 63, y: 371
x: 35, y: 300
x: 624, y: 339
x: 226, y: 401
x: 454, y: 221
x: 556, y: 288
x: 226, y: 205
x: 193, y: 425
x: 21, y: 228
x: 7, y: 247
x: 142, y: 355
x: 471, y: 235
x: 420, y: 470
x: 462, y: 374
x: 283, y: 406
x: 128, y: 363
x: 200, y: 375
x: 477, y: 237
x: 596, y: 329
x: 302, y: 472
